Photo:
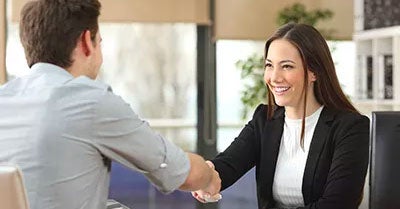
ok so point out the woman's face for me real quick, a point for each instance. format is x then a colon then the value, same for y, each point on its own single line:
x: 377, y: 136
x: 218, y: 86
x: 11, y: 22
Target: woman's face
x: 284, y: 74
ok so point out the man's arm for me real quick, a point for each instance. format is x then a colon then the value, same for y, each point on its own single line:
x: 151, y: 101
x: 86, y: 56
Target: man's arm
x: 201, y: 176
x: 122, y: 136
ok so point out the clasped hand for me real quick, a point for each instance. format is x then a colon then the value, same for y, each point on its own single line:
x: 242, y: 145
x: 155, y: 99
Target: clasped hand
x: 211, y: 192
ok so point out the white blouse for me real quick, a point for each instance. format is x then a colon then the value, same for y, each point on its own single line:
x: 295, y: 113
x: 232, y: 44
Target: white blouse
x: 289, y: 171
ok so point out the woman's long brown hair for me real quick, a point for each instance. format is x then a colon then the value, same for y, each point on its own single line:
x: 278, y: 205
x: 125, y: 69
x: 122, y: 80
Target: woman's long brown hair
x: 317, y: 58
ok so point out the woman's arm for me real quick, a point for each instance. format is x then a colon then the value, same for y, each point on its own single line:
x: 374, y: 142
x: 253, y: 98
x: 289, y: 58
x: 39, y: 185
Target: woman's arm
x: 239, y: 157
x: 243, y: 152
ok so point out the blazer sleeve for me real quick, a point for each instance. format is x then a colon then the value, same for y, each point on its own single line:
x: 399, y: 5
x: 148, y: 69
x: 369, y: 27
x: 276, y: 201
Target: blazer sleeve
x: 242, y: 154
x: 346, y: 177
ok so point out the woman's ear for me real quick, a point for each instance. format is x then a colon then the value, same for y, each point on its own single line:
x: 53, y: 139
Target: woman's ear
x: 311, y: 76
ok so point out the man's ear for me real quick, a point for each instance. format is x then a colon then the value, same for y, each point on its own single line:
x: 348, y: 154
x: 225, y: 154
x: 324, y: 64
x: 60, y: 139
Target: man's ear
x: 87, y: 44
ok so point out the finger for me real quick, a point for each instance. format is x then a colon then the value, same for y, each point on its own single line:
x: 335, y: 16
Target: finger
x: 214, y: 198
x: 198, y: 197
x: 194, y: 194
x: 201, y: 199
x: 211, y: 164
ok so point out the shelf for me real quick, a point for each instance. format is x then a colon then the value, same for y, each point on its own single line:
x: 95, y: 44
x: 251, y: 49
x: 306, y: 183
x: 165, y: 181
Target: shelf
x: 378, y: 60
x: 377, y: 33
x: 368, y: 106
x: 375, y: 102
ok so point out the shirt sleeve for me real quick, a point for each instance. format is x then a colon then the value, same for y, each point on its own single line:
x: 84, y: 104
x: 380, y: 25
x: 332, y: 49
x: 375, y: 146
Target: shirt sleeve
x: 122, y: 136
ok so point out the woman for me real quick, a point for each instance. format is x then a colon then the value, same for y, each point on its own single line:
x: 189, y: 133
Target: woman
x: 309, y: 144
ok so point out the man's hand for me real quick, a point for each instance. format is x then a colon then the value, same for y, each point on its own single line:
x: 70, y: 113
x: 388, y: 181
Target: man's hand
x: 211, y: 192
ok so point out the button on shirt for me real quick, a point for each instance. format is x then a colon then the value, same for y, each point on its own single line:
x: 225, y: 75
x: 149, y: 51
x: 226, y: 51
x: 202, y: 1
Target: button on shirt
x: 59, y: 129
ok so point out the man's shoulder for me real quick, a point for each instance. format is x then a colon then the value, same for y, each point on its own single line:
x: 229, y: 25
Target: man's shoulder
x: 87, y: 83
x: 86, y: 88
x: 107, y: 103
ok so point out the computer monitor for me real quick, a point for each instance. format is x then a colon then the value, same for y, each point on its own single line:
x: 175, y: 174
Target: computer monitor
x: 385, y: 160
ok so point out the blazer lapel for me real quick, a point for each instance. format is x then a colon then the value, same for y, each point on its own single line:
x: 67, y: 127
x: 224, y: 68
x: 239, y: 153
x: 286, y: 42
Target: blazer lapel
x: 316, y: 146
x: 271, y: 139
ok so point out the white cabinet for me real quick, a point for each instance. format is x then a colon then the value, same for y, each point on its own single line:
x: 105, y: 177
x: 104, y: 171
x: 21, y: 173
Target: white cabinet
x: 377, y: 65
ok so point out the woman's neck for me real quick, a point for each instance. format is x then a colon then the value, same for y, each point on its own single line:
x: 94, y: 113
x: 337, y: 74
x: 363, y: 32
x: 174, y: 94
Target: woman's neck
x: 297, y: 112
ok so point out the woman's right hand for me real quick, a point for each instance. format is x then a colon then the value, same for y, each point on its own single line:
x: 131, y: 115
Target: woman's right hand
x: 205, y: 197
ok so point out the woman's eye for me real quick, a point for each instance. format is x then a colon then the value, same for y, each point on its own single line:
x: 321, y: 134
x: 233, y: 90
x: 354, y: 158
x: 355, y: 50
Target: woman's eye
x: 287, y: 67
x: 268, y: 65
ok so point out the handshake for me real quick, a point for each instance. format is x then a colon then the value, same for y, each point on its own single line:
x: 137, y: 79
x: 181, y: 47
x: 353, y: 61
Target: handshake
x: 211, y: 192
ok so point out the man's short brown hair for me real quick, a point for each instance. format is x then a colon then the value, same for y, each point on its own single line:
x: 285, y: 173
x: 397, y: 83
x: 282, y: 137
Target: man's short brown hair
x: 49, y: 29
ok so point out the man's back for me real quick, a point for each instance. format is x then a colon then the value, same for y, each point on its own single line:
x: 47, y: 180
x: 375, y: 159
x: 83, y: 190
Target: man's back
x: 43, y: 123
x: 62, y: 131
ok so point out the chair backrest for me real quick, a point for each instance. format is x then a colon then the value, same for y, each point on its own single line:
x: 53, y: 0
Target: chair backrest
x: 384, y: 163
x: 12, y: 190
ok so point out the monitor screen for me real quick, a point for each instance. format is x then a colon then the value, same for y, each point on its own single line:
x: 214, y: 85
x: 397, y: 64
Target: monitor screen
x: 385, y: 160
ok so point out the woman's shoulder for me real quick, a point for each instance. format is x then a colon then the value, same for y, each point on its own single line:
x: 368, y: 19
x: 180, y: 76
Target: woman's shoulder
x: 260, y: 109
x: 264, y: 107
x: 346, y: 127
x: 346, y: 116
x: 261, y: 112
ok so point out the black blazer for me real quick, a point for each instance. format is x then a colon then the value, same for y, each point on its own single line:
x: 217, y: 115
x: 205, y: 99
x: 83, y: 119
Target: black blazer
x: 335, y: 169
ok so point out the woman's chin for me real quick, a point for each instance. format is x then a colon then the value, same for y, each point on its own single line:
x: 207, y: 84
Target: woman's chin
x: 280, y: 102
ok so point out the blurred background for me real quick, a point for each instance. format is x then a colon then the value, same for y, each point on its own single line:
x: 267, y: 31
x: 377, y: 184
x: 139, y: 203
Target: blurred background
x: 192, y: 69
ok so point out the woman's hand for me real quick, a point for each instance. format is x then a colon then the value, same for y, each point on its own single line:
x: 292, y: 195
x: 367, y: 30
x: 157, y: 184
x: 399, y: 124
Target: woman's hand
x: 205, y: 197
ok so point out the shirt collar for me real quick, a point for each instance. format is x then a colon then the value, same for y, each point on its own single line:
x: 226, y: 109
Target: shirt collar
x: 48, y: 68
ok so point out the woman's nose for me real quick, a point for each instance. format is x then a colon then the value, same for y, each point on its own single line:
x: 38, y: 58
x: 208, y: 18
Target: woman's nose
x: 275, y: 75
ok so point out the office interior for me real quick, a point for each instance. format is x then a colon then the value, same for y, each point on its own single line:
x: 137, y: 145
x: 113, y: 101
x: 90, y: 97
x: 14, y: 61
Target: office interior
x: 174, y: 61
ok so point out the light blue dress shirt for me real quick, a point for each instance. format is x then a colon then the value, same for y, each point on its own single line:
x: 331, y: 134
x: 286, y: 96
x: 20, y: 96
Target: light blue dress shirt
x: 58, y: 129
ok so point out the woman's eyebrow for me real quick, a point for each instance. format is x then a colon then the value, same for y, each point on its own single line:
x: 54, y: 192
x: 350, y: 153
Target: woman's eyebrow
x: 282, y: 61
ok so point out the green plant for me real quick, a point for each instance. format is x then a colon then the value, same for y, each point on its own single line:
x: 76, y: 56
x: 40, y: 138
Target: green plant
x: 252, y: 68
x: 297, y: 13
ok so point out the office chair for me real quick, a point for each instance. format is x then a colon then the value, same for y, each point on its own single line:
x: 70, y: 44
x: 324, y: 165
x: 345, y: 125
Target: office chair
x: 384, y: 160
x: 12, y: 190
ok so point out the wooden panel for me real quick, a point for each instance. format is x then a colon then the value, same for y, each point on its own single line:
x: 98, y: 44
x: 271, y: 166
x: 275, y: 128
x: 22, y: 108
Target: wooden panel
x: 234, y: 19
x: 256, y: 19
x: 342, y: 22
x: 16, y: 6
x: 154, y: 11
x: 2, y: 42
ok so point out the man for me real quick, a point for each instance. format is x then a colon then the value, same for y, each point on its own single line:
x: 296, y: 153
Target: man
x: 62, y: 128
